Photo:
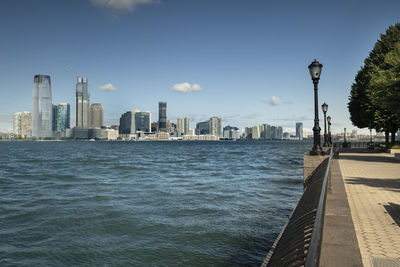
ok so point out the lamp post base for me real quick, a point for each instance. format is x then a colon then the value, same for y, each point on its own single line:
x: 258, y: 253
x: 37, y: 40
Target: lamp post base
x: 317, y: 151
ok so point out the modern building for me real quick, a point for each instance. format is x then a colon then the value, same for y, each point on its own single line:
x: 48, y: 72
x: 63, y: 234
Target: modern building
x: 299, y: 130
x: 266, y: 133
x: 162, y: 116
x: 215, y: 126
x: 248, y: 132
x: 42, y: 108
x: 154, y: 127
x: 186, y: 126
x: 170, y: 127
x: 22, y: 124
x: 256, y: 133
x: 203, y: 128
x: 279, y: 133
x: 61, y: 119
x: 286, y: 136
x: 82, y: 103
x: 230, y: 132
x: 143, y: 121
x: 96, y: 115
x: 135, y: 121
x: 179, y: 128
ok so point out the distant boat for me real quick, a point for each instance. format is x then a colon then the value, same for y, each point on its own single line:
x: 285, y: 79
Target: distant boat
x: 92, y: 139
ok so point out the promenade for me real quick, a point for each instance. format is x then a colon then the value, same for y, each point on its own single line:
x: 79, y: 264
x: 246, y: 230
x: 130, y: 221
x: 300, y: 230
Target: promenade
x: 365, y: 187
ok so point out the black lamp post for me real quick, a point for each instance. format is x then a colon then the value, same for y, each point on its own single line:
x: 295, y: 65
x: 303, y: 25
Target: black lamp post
x: 345, y: 141
x: 329, y: 130
x: 324, y: 110
x: 315, y: 71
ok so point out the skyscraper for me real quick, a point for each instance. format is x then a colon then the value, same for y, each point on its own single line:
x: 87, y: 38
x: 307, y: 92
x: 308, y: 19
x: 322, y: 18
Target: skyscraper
x: 82, y: 103
x: 179, y: 126
x: 186, y: 122
x: 215, y: 126
x: 143, y: 121
x: 162, y: 116
x: 61, y: 118
x: 22, y: 124
x: 96, y: 115
x: 299, y: 130
x: 41, y: 106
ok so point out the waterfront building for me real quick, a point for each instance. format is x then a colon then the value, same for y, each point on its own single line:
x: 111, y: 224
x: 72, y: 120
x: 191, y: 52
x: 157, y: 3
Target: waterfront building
x: 279, y: 133
x: 266, y: 132
x: 143, y: 121
x: 248, y: 132
x: 215, y: 126
x: 154, y: 127
x: 186, y: 126
x: 255, y: 133
x: 273, y: 132
x: 96, y: 115
x: 230, y: 132
x: 203, y: 128
x: 61, y: 119
x: 170, y: 127
x: 299, y: 130
x: 179, y: 128
x: 22, y: 124
x: 82, y: 103
x: 162, y: 116
x: 42, y: 108
x: 286, y: 136
x: 127, y: 123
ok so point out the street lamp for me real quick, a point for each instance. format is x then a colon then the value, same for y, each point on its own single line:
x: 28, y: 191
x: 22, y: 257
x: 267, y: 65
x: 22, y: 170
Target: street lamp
x: 324, y: 110
x: 329, y: 130
x: 315, y: 71
x: 345, y: 141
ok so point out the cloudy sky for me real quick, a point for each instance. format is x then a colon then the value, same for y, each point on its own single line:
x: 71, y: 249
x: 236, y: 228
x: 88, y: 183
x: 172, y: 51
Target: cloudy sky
x: 245, y: 61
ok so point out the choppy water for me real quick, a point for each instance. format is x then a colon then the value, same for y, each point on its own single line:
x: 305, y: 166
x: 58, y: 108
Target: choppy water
x: 145, y: 203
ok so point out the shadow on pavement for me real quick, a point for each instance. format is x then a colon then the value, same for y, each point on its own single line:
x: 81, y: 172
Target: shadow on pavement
x: 369, y: 158
x: 392, y: 184
x: 394, y: 211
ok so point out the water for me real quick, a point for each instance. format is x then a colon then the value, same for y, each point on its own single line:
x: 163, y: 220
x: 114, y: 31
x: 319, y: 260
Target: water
x: 145, y: 203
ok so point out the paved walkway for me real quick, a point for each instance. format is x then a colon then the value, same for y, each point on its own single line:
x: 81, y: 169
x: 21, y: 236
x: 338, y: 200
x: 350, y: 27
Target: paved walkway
x: 372, y: 183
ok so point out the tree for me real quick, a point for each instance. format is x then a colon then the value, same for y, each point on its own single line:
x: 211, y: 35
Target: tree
x: 374, y: 100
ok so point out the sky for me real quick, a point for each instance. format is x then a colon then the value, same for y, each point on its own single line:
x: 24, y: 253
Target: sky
x: 243, y: 61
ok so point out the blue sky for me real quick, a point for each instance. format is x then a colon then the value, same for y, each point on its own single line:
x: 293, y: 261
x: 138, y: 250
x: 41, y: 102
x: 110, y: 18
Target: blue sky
x: 243, y: 55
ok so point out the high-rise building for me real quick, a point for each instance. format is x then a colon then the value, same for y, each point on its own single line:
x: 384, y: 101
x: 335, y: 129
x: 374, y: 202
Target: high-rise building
x: 61, y: 118
x: 22, y: 124
x: 186, y: 122
x: 256, y: 133
x: 179, y: 128
x: 203, y: 128
x: 279, y: 133
x: 82, y: 103
x: 170, y: 127
x: 273, y: 132
x: 143, y: 121
x: 162, y: 116
x: 96, y: 115
x: 299, y: 130
x: 42, y: 108
x: 215, y: 126
x: 230, y: 132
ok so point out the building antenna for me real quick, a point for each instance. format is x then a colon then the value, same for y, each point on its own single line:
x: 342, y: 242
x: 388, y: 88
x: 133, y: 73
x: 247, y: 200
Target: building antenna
x: 73, y: 71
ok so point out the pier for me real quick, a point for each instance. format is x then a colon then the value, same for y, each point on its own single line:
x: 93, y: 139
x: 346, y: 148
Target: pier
x: 359, y: 202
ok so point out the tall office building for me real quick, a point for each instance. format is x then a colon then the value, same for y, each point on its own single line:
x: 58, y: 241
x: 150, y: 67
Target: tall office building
x: 186, y: 126
x: 61, y: 118
x: 256, y: 133
x: 179, y: 128
x: 162, y: 116
x: 203, y: 128
x: 82, y: 103
x: 299, y: 130
x: 42, y: 108
x: 279, y: 133
x: 143, y: 121
x: 22, y: 124
x: 273, y: 132
x: 96, y: 115
x: 216, y: 126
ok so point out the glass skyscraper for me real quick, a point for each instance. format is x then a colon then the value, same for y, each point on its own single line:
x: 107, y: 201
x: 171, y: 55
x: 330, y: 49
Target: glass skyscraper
x: 96, y: 115
x: 299, y: 130
x: 61, y: 118
x: 82, y: 103
x: 41, y: 107
x: 162, y: 116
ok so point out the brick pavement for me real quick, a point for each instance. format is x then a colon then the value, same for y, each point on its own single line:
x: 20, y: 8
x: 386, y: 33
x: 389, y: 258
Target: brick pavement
x: 372, y: 183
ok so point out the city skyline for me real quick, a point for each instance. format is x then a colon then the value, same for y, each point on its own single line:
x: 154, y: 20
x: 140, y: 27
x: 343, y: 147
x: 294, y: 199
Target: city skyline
x: 243, y: 63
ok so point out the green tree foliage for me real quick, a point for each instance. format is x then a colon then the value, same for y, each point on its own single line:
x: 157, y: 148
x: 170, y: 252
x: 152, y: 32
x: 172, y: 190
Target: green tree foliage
x: 375, y: 95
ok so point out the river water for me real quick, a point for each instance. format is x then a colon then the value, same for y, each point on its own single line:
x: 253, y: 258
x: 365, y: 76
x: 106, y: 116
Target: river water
x: 145, y: 203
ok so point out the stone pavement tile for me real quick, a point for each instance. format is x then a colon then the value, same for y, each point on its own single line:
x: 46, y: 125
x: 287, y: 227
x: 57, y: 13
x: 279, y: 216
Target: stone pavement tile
x: 371, y: 182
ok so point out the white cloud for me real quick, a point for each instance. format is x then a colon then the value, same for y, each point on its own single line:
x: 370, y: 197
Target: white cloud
x: 121, y: 5
x: 107, y: 87
x: 186, y: 87
x: 274, y: 101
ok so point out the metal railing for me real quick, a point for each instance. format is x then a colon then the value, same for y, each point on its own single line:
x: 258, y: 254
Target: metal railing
x: 299, y: 242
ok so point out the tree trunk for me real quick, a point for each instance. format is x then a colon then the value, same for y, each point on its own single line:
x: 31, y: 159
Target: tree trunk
x: 386, y: 138
x: 393, y: 141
